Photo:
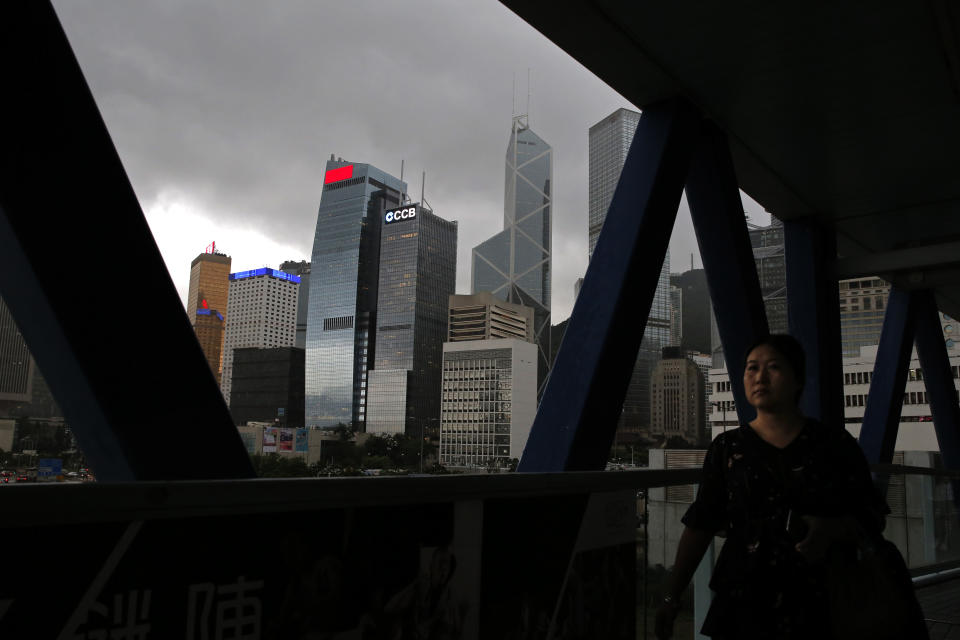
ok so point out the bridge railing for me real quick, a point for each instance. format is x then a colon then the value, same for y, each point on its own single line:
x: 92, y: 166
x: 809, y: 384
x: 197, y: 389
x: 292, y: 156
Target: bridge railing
x: 562, y: 555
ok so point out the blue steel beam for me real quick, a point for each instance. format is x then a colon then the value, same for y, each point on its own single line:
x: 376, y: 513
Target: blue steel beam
x: 578, y: 414
x: 85, y: 281
x: 881, y: 417
x: 814, y: 315
x: 721, y: 228
x: 938, y: 378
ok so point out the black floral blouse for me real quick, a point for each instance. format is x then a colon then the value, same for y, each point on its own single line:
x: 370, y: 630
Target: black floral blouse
x: 755, y: 495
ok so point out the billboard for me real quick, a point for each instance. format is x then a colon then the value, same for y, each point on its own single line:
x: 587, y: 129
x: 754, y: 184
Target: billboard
x: 406, y: 212
x: 270, y: 440
x: 301, y: 441
x: 286, y: 439
x: 49, y: 467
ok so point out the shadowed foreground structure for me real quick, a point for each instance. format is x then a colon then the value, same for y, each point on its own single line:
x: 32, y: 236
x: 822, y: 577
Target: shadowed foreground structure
x: 840, y: 120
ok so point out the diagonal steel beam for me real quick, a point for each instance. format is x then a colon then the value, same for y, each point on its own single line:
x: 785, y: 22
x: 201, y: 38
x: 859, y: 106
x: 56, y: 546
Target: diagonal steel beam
x: 84, y: 280
x: 881, y: 417
x: 721, y: 228
x: 938, y: 378
x: 578, y: 414
x: 813, y: 307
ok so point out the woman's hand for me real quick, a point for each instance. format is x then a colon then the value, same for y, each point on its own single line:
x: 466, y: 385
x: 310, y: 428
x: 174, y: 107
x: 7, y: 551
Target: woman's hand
x: 823, y: 532
x: 666, y: 614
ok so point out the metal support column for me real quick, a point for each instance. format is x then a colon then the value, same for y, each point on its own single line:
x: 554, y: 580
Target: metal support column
x: 85, y: 281
x: 721, y: 229
x: 938, y: 378
x: 583, y: 399
x: 881, y: 417
x: 814, y: 315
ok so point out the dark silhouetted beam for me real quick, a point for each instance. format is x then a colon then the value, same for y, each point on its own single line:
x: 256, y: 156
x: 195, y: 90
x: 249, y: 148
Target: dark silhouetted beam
x: 881, y: 417
x: 721, y: 228
x: 813, y: 308
x: 578, y: 414
x: 83, y: 277
x: 938, y: 378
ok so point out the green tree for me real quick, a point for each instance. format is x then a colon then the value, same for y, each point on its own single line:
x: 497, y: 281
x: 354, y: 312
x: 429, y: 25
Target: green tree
x: 273, y: 465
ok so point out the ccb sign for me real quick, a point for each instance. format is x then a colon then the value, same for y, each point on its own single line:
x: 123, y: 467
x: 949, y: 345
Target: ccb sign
x: 396, y: 215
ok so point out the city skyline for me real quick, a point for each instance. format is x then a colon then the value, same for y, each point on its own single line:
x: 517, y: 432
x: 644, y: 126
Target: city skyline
x: 224, y: 120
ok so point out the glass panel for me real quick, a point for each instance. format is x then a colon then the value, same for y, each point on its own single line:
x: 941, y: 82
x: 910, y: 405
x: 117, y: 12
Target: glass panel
x: 527, y: 254
x: 537, y: 226
x: 532, y: 284
x: 496, y: 250
x: 529, y: 198
x: 485, y: 277
x: 538, y: 173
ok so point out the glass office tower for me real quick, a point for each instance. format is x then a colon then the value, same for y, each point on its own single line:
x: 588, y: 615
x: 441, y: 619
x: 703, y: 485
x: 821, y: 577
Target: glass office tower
x: 341, y: 320
x: 418, y: 274
x: 609, y: 143
x: 514, y: 265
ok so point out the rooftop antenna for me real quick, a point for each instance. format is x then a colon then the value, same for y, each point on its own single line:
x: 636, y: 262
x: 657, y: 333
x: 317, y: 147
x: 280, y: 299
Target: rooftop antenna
x: 528, y: 95
x: 691, y: 261
x: 513, y: 103
x: 423, y: 197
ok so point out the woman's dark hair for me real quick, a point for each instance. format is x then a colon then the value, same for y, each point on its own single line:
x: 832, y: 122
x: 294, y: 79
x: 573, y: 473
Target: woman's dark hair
x: 791, y: 350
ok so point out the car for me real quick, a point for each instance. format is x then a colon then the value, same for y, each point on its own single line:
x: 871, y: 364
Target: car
x: 73, y: 474
x: 23, y: 478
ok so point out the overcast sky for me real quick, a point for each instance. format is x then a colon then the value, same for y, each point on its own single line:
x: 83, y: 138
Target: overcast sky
x: 225, y: 112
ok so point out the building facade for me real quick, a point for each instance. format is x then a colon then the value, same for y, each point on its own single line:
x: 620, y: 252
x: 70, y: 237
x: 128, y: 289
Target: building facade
x: 209, y: 292
x: 489, y: 401
x: 301, y: 269
x: 515, y: 264
x: 483, y: 316
x: 915, y: 433
x: 261, y: 313
x: 769, y: 257
x: 209, y: 324
x: 267, y: 386
x: 695, y: 310
x: 676, y: 399
x: 418, y: 274
x: 676, y: 316
x: 341, y: 318
x: 16, y: 364
x: 863, y: 302
x: 609, y: 141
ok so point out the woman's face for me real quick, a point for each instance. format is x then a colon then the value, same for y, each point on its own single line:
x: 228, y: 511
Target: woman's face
x: 769, y: 381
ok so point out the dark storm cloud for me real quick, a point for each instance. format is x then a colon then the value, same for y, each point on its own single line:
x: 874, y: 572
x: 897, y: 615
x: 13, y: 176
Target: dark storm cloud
x: 237, y: 105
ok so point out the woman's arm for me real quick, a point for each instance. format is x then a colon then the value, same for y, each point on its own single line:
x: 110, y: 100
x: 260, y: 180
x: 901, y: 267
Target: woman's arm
x: 693, y: 544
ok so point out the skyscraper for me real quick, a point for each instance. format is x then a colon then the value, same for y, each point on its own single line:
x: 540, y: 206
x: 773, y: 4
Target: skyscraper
x: 770, y: 258
x: 341, y: 319
x: 262, y: 313
x: 208, y: 324
x: 609, y: 142
x: 209, y: 289
x: 302, y: 269
x: 16, y: 363
x: 418, y: 274
x: 514, y: 264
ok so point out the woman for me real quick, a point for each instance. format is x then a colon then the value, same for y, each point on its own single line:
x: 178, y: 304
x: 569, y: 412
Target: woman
x: 784, y: 490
